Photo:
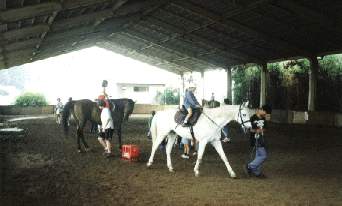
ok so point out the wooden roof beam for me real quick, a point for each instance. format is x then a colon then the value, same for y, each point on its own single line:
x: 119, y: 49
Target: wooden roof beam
x: 29, y: 12
x: 131, y: 8
x: 18, y: 54
x: 240, y: 27
x: 22, y: 45
x: 80, y: 3
x: 82, y: 19
x: 19, y: 33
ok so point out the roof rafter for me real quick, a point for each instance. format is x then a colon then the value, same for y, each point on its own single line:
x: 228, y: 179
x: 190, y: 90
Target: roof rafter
x: 29, y: 12
x: 83, y: 19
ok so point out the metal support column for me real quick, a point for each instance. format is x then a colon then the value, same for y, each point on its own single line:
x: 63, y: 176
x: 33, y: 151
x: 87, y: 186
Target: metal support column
x: 312, y: 83
x: 181, y: 100
x: 263, y: 84
x: 229, y: 85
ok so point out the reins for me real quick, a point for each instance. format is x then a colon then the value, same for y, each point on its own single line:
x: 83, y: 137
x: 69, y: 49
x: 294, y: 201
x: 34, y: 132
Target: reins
x: 242, y: 122
x: 211, y: 120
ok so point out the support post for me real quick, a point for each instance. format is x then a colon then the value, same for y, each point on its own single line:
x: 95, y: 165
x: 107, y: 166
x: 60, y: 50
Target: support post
x: 229, y: 85
x: 263, y: 84
x: 181, y: 99
x: 202, y: 78
x: 312, y: 83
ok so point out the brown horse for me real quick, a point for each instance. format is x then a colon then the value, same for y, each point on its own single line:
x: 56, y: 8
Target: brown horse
x: 213, y: 104
x: 84, y: 110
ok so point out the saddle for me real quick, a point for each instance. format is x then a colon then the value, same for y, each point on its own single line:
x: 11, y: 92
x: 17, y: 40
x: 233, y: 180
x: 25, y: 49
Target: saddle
x: 181, y: 114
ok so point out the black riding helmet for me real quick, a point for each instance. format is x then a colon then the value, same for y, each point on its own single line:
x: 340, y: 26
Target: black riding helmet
x: 153, y: 112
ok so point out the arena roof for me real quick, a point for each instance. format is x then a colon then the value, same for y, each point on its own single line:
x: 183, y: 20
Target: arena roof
x: 175, y: 35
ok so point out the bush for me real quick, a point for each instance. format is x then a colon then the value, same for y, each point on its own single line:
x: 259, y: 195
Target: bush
x: 29, y: 98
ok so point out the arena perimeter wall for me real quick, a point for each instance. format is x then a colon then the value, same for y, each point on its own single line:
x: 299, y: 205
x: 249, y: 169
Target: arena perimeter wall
x: 277, y: 116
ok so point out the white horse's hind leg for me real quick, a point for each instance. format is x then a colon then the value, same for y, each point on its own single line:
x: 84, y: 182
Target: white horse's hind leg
x: 218, y: 146
x: 201, y: 149
x: 171, y: 141
x: 155, y: 146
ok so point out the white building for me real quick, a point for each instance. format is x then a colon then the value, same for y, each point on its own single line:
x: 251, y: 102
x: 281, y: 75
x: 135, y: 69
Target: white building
x: 142, y: 93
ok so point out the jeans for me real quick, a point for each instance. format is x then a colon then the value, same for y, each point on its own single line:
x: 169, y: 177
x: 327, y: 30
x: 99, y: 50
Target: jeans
x: 260, y: 157
x: 225, y: 131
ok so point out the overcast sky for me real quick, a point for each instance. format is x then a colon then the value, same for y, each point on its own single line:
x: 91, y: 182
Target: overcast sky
x: 80, y: 75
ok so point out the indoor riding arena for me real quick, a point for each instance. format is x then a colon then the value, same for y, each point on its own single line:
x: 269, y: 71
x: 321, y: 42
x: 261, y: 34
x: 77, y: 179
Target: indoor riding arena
x: 40, y: 167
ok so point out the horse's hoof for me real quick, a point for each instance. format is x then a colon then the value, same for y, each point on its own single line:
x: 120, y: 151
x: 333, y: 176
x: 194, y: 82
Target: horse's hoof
x: 80, y: 151
x: 171, y: 170
x: 233, y: 175
x: 148, y: 166
x: 87, y: 149
x: 197, y: 175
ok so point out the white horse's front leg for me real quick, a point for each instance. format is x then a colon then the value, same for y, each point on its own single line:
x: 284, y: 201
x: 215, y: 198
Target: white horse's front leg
x: 218, y: 146
x: 169, y: 146
x: 155, y: 146
x: 202, y: 145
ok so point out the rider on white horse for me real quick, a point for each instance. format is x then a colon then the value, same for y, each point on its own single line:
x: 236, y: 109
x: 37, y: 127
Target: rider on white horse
x: 207, y: 129
x: 190, y: 102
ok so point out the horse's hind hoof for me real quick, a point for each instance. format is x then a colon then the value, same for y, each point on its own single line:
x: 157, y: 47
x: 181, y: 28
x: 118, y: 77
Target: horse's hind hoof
x: 197, y: 175
x: 88, y: 149
x: 148, y: 166
x: 80, y: 151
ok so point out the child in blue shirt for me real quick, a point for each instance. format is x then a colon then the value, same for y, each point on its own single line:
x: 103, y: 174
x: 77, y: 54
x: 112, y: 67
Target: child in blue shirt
x: 190, y: 102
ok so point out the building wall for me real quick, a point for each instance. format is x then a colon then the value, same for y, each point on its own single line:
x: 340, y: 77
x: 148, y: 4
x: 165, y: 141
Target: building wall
x: 146, y: 97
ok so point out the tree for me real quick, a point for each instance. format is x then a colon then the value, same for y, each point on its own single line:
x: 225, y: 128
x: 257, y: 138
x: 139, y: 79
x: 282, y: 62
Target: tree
x: 170, y: 96
x: 29, y: 98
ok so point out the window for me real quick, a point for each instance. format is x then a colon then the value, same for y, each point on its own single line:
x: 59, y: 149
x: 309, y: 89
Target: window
x: 141, y: 89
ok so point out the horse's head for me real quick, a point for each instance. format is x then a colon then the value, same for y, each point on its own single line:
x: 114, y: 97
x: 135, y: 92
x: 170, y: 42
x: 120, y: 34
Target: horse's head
x: 128, y: 109
x: 243, y: 117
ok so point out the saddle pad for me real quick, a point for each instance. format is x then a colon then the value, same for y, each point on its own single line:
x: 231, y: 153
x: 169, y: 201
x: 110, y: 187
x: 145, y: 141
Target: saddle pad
x: 179, y: 117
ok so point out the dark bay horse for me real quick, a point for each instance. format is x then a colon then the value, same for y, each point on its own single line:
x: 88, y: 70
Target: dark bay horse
x: 84, y: 110
x: 213, y: 104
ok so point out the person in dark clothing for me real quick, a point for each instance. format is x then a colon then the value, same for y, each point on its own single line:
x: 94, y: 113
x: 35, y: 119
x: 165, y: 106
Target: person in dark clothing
x: 257, y: 141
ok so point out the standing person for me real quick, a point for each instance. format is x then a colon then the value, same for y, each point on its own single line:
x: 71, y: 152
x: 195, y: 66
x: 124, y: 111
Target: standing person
x: 103, y: 97
x: 150, y: 123
x: 106, y: 133
x: 225, y: 129
x: 212, y: 98
x: 257, y: 141
x: 190, y: 102
x: 58, y: 110
x: 186, y: 143
x: 69, y: 100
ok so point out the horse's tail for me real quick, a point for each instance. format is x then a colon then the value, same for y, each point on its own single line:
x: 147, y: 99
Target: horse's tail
x: 154, y: 128
x: 65, y: 116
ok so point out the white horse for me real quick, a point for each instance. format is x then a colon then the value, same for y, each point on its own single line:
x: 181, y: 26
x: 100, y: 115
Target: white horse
x: 207, y: 129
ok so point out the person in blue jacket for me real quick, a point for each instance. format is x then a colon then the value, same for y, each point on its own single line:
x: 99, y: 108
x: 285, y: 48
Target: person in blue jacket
x: 190, y: 102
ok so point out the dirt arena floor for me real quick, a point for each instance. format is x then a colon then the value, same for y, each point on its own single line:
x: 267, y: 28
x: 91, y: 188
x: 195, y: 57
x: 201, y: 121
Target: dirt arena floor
x: 39, y: 167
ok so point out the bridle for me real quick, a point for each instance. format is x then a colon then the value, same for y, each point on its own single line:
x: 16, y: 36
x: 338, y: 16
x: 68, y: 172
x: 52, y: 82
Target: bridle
x: 239, y: 114
x: 242, y: 122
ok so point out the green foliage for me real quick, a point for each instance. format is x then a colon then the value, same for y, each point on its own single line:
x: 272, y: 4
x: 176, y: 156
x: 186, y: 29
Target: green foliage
x: 171, y: 96
x: 29, y: 98
x: 288, y: 84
